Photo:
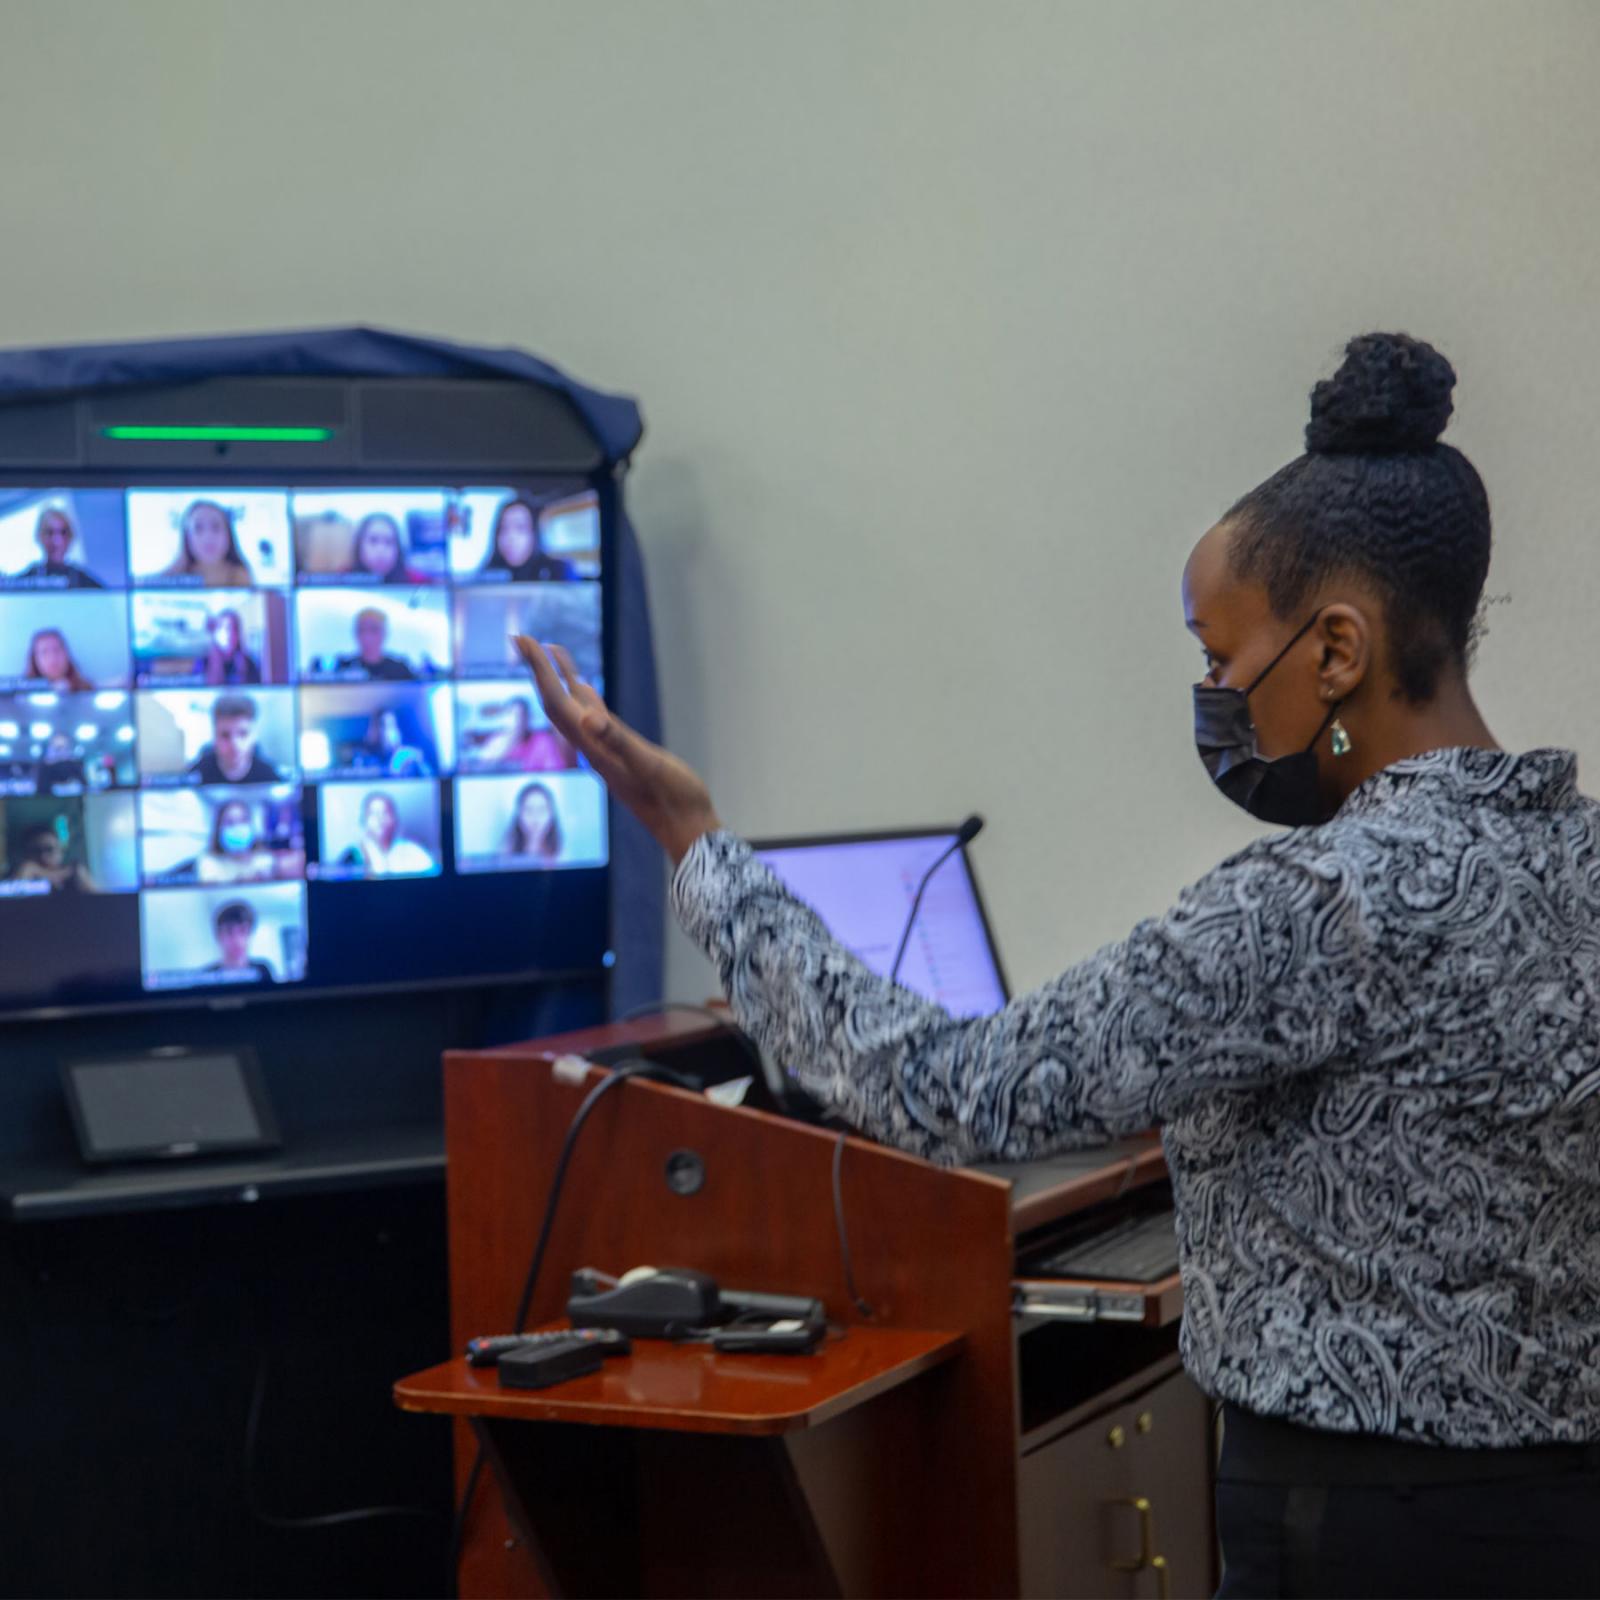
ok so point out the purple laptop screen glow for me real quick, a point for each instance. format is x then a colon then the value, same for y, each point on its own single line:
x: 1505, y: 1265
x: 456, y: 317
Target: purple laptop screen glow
x: 863, y: 890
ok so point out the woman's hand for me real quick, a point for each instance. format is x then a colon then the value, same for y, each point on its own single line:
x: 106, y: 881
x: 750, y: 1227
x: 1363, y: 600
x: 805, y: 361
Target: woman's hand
x: 665, y: 794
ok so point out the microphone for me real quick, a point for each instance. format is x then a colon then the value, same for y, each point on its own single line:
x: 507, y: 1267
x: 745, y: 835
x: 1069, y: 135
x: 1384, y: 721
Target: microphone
x: 965, y: 834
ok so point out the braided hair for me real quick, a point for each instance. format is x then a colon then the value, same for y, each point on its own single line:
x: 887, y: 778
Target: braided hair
x: 1376, y: 494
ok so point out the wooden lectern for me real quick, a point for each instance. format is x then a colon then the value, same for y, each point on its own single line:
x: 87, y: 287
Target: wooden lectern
x: 895, y: 1460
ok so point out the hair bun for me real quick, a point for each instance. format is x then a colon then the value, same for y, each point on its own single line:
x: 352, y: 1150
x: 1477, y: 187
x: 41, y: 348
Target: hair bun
x: 1390, y: 396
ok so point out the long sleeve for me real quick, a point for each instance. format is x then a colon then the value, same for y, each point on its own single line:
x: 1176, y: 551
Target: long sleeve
x: 1262, y: 970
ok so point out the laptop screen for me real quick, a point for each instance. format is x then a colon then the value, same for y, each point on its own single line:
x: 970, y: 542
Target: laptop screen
x: 862, y: 887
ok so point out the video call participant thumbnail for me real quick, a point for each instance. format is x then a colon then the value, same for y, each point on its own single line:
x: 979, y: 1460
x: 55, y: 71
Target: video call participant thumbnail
x: 209, y: 539
x: 66, y: 743
x: 224, y: 835
x: 232, y: 755
x: 231, y: 638
x: 372, y: 635
x: 215, y: 736
x: 386, y: 830
x: 566, y: 614
x: 195, y: 938
x: 516, y: 552
x: 376, y: 730
x: 65, y: 846
x: 509, y: 824
x: 504, y: 729
x: 67, y: 642
x: 62, y: 539
x: 394, y: 537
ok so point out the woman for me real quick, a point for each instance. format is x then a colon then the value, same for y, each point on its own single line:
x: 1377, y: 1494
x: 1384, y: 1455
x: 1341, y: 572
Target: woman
x: 530, y: 749
x: 51, y: 661
x: 210, y: 554
x: 1370, y: 1041
x: 381, y: 851
x: 535, y: 830
x: 226, y: 660
x: 514, y: 547
x: 380, y: 552
x: 236, y: 854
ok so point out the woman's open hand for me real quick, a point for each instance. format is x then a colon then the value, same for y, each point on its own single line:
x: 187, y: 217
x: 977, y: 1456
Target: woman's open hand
x: 667, y: 795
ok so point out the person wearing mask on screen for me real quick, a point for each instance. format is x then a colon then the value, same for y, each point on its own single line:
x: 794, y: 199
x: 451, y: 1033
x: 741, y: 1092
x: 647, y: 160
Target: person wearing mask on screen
x: 534, y: 833
x: 43, y: 859
x: 236, y: 853
x: 382, y: 851
x: 209, y: 554
x: 50, y: 662
x: 61, y: 768
x: 232, y: 757
x: 380, y: 552
x: 55, y: 535
x: 1370, y: 1041
x: 369, y: 661
x: 226, y: 660
x: 515, y: 550
x: 234, y: 927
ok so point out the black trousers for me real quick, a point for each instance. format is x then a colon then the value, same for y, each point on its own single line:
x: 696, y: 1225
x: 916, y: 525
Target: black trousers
x: 1304, y: 1513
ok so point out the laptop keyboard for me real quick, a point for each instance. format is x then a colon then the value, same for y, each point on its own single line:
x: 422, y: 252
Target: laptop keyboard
x: 1138, y: 1250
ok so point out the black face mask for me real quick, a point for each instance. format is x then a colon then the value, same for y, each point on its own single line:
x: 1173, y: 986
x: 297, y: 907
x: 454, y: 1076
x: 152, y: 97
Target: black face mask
x: 1284, y: 791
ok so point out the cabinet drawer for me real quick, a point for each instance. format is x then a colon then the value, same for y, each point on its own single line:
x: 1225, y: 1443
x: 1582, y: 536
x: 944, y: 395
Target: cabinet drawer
x: 1120, y: 1507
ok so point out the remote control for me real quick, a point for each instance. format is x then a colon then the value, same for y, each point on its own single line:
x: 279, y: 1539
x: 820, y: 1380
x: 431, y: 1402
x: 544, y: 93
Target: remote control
x: 487, y: 1350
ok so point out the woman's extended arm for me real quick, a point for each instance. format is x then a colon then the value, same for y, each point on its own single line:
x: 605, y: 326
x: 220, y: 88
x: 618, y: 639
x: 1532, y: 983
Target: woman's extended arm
x: 1261, y: 970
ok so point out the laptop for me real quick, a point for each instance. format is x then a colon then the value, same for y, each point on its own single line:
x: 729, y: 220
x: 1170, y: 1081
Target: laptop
x: 862, y: 885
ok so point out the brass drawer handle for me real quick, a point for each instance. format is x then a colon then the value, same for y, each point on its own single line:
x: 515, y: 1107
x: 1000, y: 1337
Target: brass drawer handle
x: 1147, y: 1557
x: 1147, y: 1535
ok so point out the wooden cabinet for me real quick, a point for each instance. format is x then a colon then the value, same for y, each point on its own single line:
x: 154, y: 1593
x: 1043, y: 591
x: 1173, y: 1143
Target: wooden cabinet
x: 1117, y: 1503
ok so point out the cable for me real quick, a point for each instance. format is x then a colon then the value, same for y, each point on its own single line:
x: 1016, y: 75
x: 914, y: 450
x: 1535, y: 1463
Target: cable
x: 838, y: 1222
x: 329, y: 1519
x: 615, y: 1075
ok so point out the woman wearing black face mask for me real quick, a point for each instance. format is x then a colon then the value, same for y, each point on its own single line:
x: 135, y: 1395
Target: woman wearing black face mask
x: 1371, y: 1042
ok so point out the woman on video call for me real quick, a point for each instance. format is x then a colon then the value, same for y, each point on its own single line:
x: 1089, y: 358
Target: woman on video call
x: 50, y: 661
x: 1371, y: 1041
x: 380, y: 551
x: 210, y: 549
x: 226, y: 660
x: 515, y: 550
x: 236, y: 853
x: 382, y: 850
x: 535, y: 828
x: 522, y: 746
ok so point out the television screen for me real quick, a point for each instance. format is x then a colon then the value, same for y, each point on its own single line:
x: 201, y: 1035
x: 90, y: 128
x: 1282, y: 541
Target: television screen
x: 271, y: 738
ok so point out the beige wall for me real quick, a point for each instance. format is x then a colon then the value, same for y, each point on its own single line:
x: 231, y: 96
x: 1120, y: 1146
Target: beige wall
x: 954, y: 325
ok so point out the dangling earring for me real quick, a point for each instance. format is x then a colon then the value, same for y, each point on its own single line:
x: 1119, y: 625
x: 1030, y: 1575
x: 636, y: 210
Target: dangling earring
x: 1339, y: 738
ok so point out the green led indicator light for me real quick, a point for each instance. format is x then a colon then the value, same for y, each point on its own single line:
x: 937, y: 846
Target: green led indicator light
x: 221, y: 433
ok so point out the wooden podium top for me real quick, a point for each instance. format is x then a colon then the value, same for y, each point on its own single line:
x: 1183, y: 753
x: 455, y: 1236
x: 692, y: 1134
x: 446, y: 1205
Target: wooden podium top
x: 691, y: 1388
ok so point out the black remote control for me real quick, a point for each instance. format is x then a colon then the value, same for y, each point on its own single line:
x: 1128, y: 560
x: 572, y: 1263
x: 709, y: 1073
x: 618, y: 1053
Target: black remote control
x: 487, y: 1350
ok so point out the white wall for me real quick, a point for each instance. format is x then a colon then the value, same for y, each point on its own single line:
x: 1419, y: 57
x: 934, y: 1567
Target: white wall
x: 954, y: 325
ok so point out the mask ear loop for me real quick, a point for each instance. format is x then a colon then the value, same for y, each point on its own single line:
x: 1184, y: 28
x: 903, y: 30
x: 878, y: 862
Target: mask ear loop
x: 1327, y: 722
x: 1260, y: 677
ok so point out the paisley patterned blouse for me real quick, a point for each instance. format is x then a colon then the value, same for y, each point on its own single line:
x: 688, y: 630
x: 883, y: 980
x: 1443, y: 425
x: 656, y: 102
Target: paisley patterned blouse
x: 1373, y: 1050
